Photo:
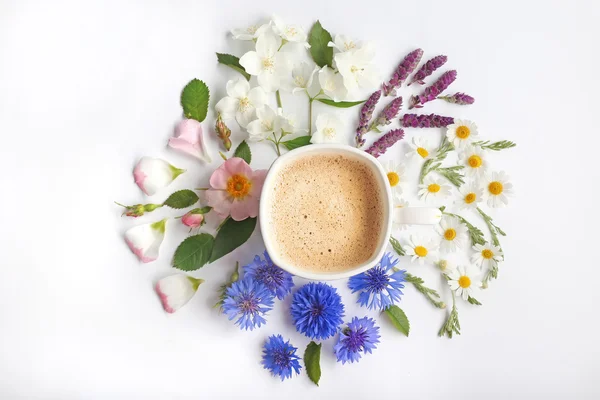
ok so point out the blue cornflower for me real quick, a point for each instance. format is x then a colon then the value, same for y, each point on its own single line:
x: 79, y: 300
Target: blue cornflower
x: 280, y: 357
x: 278, y: 281
x: 380, y: 286
x: 360, y: 336
x: 249, y: 300
x: 317, y: 310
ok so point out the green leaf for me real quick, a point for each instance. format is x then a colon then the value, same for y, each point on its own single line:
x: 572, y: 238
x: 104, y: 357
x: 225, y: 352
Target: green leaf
x: 341, y: 104
x: 232, y: 235
x: 312, y: 361
x: 243, y: 152
x: 181, y: 199
x: 232, y: 62
x: 298, y: 142
x: 474, y: 301
x: 193, y: 252
x: 397, y: 246
x: 318, y: 38
x: 194, y: 100
x: 398, y: 318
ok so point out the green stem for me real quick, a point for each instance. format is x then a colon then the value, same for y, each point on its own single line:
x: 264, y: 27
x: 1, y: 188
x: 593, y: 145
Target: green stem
x: 429, y: 293
x: 222, y: 223
x: 425, y: 170
x: 223, y: 156
x: 493, y: 228
x: 119, y: 204
x: 451, y: 325
x: 201, y: 188
x: 276, y: 142
x: 310, y: 105
x: 278, y: 96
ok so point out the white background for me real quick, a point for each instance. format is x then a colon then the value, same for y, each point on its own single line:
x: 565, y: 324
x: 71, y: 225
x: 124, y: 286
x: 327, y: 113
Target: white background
x: 87, y: 88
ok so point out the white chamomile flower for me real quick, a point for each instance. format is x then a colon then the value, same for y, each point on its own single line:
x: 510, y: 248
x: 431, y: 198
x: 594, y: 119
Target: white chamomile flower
x: 395, y: 175
x: 433, y: 189
x: 421, y: 149
x: 302, y: 77
x: 344, y: 43
x: 421, y: 249
x: 497, y: 189
x: 329, y: 126
x: 399, y: 203
x: 251, y: 32
x: 453, y: 233
x: 473, y: 159
x: 268, y: 121
x: 241, y: 102
x: 291, y: 33
x: 463, y: 281
x: 332, y: 84
x: 487, y: 255
x: 470, y: 195
x: 270, y: 66
x: 357, y: 68
x: 445, y: 266
x: 461, y: 133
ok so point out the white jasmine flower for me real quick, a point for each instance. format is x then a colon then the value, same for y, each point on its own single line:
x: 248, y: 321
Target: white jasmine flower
x: 463, y: 281
x: 453, y: 233
x: 357, y: 69
x: 395, y: 175
x: 486, y: 255
x: 344, y: 43
x: 302, y: 77
x: 145, y: 240
x: 267, y: 63
x: 154, y: 174
x: 470, y: 195
x: 176, y: 290
x: 268, y: 122
x: 433, y: 189
x: 399, y: 203
x: 241, y: 102
x: 328, y: 127
x: 473, y: 158
x: 462, y: 132
x: 421, y: 149
x: 289, y: 123
x: 291, y: 33
x: 421, y: 249
x: 497, y: 189
x: 332, y: 84
x: 250, y: 33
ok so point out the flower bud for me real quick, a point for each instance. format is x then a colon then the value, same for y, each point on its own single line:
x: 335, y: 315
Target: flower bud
x: 193, y: 220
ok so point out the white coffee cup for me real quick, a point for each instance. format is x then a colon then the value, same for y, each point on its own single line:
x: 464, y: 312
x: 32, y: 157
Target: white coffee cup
x: 404, y: 215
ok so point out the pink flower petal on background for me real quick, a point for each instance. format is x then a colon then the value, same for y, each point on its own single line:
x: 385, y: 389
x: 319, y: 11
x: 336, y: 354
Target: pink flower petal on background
x: 240, y: 210
x: 219, y: 202
x: 139, y: 176
x: 219, y: 178
x: 237, y: 166
x: 164, y: 299
x: 138, y: 252
x: 188, y: 139
x: 258, y: 179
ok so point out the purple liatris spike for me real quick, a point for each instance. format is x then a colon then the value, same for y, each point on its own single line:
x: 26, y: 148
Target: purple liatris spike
x: 385, y: 142
x: 404, y: 69
x: 428, y: 69
x: 458, y: 98
x: 433, y: 91
x: 389, y: 112
x: 426, y: 121
x: 366, y: 112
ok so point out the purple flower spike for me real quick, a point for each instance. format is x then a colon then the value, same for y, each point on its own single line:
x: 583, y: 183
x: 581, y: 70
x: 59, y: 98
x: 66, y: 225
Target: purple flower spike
x: 459, y: 98
x: 432, y: 92
x: 428, y: 69
x: 405, y: 68
x: 385, y: 142
x: 366, y: 112
x: 426, y: 121
x: 388, y: 113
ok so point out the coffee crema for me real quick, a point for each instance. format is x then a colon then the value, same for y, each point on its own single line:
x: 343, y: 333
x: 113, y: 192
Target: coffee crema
x: 326, y: 213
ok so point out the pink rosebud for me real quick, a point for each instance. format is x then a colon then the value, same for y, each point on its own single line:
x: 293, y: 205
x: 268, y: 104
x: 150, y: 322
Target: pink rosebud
x: 176, y: 290
x: 188, y: 139
x: 153, y: 174
x: 235, y: 189
x: 145, y: 240
x: 195, y: 217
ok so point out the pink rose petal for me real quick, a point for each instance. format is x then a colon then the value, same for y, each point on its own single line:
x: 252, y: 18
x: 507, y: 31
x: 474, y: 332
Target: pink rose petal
x: 219, y: 202
x: 237, y: 166
x: 139, y: 176
x: 139, y: 252
x: 240, y: 210
x: 164, y: 299
x: 219, y: 178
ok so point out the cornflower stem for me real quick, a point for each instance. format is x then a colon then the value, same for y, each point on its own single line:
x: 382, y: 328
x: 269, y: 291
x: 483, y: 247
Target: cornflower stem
x: 278, y: 97
x: 430, y: 294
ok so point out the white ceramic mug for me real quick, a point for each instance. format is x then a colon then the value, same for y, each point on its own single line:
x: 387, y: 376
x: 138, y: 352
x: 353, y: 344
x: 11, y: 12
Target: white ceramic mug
x: 405, y: 215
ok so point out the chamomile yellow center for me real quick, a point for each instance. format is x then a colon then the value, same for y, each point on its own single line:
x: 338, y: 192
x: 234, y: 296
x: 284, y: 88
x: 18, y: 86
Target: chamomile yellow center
x: 238, y: 186
x: 394, y: 178
x: 463, y: 132
x: 495, y: 188
x: 470, y: 197
x: 433, y: 188
x: 464, y: 281
x: 449, y: 234
x: 475, y: 161
x: 487, y: 254
x: 420, y: 251
x: 422, y: 152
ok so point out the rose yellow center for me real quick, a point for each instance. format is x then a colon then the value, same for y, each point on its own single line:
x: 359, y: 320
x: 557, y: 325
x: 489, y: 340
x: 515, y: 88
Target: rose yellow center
x: 433, y: 188
x: 450, y: 234
x: 487, y: 254
x: 420, y: 251
x: 475, y: 161
x: 422, y: 152
x: 495, y: 188
x: 394, y: 178
x: 463, y: 132
x: 471, y: 197
x: 464, y: 281
x: 238, y: 186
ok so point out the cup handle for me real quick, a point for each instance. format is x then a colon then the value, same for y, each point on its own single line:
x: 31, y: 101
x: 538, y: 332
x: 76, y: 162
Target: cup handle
x: 416, y: 215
